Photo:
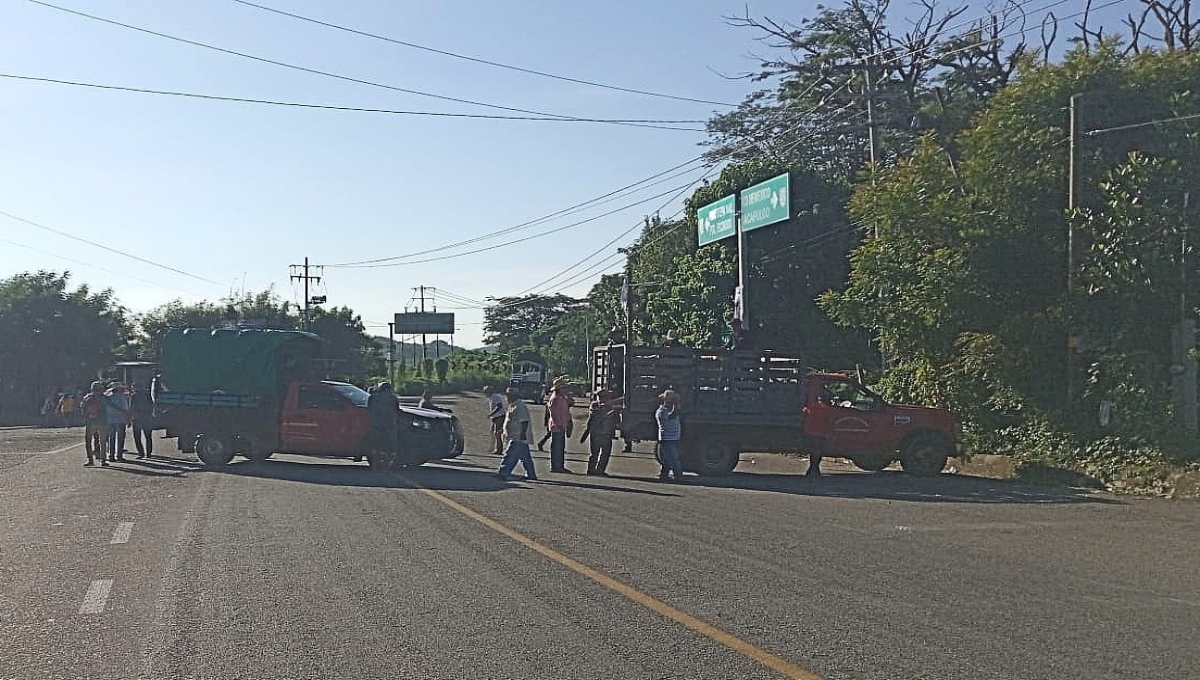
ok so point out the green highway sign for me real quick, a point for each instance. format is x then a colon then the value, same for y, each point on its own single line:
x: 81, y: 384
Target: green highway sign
x: 765, y: 203
x: 717, y: 220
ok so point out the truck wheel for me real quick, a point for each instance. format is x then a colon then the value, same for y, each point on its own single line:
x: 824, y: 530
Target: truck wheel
x: 258, y: 454
x: 925, y: 455
x: 713, y: 457
x: 214, y: 450
x: 873, y: 462
x: 186, y: 443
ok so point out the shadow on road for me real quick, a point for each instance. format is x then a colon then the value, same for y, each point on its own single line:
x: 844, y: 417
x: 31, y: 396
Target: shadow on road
x: 898, y: 486
x: 346, y: 474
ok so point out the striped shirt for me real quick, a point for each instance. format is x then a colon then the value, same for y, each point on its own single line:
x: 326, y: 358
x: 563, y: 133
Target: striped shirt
x: 668, y: 424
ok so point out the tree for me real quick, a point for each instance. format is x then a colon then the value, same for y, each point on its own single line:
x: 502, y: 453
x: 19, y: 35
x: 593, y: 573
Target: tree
x: 354, y: 355
x: 526, y: 321
x: 264, y: 309
x: 967, y: 283
x: 54, y: 337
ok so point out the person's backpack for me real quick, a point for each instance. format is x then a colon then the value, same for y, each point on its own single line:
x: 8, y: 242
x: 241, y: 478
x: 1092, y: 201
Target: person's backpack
x: 92, y: 406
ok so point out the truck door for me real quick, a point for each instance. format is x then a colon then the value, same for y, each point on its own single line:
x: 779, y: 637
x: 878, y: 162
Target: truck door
x: 857, y: 419
x: 317, y: 421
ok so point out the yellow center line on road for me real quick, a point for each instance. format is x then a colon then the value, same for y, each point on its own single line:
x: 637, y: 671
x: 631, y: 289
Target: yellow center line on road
x: 746, y: 649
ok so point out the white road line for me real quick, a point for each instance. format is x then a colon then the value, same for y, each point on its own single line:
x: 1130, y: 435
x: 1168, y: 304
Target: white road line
x: 121, y: 533
x: 96, y: 597
x: 40, y: 453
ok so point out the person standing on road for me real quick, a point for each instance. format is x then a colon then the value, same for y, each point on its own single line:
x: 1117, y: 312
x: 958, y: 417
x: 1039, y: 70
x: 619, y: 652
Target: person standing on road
x: 496, y: 413
x: 603, y: 418
x: 516, y: 429
x: 142, y: 409
x: 95, y: 424
x: 66, y: 409
x: 384, y: 408
x: 669, y: 434
x: 560, y: 424
x: 116, y: 406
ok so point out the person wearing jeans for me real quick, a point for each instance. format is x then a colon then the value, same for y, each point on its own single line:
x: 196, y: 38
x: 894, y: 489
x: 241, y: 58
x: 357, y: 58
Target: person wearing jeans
x: 559, y: 408
x: 143, y: 421
x: 669, y: 434
x: 117, y: 409
x: 516, y: 429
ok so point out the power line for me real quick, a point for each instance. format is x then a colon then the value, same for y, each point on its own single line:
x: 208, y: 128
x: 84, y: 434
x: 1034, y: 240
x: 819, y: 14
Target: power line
x: 123, y: 275
x: 603, y: 198
x: 1143, y: 124
x: 522, y: 239
x: 305, y: 69
x: 106, y: 248
x: 357, y: 109
x: 479, y: 60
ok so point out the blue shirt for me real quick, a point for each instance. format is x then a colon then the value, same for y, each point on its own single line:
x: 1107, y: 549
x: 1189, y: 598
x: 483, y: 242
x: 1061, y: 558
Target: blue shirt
x: 115, y: 408
x: 668, y: 424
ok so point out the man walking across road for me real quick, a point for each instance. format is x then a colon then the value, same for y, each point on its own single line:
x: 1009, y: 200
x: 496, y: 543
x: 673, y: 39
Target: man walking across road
x: 669, y: 434
x: 142, y: 409
x: 559, y: 410
x: 95, y: 424
x: 516, y: 429
x: 496, y: 413
x: 603, y: 418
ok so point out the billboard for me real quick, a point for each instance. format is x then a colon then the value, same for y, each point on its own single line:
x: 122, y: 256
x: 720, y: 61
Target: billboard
x: 438, y: 323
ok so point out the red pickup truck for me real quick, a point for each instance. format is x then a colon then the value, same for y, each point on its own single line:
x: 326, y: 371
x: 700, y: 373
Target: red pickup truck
x: 255, y: 392
x: 770, y: 402
x: 319, y: 417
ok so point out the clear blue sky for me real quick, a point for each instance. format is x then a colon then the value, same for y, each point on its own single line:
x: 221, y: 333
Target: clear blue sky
x: 235, y: 192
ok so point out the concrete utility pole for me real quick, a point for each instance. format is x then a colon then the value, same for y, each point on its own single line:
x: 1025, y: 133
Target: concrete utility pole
x: 1183, y: 342
x: 306, y: 278
x: 422, y: 298
x: 1071, y: 135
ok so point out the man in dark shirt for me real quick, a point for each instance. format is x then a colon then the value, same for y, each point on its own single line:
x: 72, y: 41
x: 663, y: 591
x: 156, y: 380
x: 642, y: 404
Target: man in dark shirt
x: 384, y: 407
x: 142, y: 408
x: 739, y: 337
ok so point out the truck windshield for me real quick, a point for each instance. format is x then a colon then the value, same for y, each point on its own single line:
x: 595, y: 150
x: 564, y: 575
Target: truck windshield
x: 357, y: 395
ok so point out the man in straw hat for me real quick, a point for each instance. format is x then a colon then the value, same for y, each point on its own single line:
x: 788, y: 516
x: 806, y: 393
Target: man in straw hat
x: 560, y: 425
x: 669, y: 434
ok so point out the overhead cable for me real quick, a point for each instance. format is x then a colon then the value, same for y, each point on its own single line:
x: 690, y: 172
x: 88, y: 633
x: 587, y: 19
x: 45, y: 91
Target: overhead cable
x: 306, y: 69
x: 479, y: 60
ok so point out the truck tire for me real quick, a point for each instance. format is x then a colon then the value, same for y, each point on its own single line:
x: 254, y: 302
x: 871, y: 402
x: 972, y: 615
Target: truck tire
x: 925, y: 454
x: 214, y: 450
x: 873, y: 462
x: 712, y: 457
x: 186, y: 442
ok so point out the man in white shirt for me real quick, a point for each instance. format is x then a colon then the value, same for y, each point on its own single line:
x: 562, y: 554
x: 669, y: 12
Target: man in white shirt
x: 496, y: 412
x: 516, y: 429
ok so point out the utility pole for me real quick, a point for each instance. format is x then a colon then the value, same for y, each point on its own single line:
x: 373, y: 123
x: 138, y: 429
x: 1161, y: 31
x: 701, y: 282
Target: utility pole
x: 1183, y: 365
x: 392, y: 351
x: 306, y: 278
x: 869, y: 91
x: 1071, y: 135
x: 423, y: 355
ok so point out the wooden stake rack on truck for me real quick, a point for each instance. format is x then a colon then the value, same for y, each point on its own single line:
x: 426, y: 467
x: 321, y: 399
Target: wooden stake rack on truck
x: 769, y: 402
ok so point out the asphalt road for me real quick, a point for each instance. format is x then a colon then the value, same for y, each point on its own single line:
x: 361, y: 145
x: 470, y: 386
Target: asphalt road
x: 312, y: 568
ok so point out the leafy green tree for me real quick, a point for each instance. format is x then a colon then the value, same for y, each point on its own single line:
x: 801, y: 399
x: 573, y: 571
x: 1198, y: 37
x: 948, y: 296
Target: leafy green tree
x: 53, y: 336
x: 354, y: 354
x: 966, y: 285
x: 529, y: 320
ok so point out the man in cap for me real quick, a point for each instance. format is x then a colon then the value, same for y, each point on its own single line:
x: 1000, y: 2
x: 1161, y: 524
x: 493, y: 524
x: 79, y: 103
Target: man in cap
x: 516, y: 429
x: 669, y: 434
x: 95, y: 424
x: 496, y: 411
x: 143, y: 420
x: 560, y: 425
